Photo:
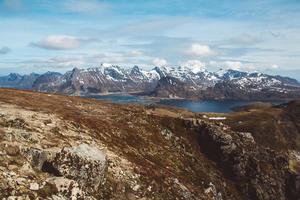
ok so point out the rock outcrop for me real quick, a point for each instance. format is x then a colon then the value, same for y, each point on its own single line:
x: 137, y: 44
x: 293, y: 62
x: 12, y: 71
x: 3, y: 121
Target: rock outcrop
x: 85, y: 165
x: 260, y: 173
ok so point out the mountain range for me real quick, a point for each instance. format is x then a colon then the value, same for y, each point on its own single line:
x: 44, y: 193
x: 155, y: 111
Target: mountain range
x: 59, y: 147
x: 163, y: 82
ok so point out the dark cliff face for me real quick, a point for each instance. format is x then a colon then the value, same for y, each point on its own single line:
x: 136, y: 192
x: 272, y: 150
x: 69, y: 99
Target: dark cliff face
x: 275, y: 128
x: 259, y: 173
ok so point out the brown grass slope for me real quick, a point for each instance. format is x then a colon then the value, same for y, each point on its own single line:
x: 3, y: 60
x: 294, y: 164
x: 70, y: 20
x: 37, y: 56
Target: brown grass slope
x: 172, y: 168
x: 274, y: 127
x: 171, y: 159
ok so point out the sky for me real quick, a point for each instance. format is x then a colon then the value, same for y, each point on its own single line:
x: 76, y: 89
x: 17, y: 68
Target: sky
x: 249, y: 35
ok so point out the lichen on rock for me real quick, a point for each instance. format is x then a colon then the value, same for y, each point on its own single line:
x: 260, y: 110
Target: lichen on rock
x: 85, y: 165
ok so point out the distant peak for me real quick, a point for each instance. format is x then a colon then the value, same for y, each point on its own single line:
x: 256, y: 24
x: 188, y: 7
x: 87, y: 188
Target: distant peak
x: 75, y: 69
x: 106, y: 65
x: 135, y: 67
x: 14, y: 74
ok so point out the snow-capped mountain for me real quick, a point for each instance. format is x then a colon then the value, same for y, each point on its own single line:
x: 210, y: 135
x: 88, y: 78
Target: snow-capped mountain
x: 182, y: 82
x: 102, y: 79
x: 200, y: 79
x: 256, y: 81
x: 235, y: 84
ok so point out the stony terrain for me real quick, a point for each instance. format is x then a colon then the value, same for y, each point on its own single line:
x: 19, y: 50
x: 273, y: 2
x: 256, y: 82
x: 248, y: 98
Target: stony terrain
x: 62, y: 147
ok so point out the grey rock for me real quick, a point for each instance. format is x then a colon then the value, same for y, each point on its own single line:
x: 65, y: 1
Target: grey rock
x: 245, y: 162
x: 84, y: 164
x: 34, y: 186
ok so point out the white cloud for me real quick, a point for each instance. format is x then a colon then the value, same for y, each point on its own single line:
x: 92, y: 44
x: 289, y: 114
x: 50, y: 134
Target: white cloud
x: 234, y: 65
x: 113, y: 58
x: 195, y: 65
x: 61, y: 42
x: 67, y: 61
x: 160, y: 62
x: 87, y: 60
x: 274, y: 66
x: 200, y: 50
x: 56, y: 63
x: 135, y: 53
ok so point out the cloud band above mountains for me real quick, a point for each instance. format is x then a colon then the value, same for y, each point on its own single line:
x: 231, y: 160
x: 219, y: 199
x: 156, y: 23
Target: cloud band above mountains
x: 62, y: 42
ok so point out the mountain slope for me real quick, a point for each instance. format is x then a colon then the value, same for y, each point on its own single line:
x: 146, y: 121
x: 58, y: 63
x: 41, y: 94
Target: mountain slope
x: 152, y: 153
x: 224, y: 84
x: 276, y: 127
x: 18, y: 81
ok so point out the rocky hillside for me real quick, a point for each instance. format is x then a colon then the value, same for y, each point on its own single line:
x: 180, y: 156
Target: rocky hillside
x: 62, y: 147
x: 167, y: 82
x: 277, y: 127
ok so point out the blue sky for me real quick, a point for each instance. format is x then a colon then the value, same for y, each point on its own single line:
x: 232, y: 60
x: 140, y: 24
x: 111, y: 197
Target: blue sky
x: 253, y: 35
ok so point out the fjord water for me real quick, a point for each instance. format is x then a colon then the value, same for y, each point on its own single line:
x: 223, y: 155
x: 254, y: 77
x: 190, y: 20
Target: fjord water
x: 195, y: 106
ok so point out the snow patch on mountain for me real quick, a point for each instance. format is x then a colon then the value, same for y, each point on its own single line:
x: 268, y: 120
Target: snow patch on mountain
x: 113, y: 78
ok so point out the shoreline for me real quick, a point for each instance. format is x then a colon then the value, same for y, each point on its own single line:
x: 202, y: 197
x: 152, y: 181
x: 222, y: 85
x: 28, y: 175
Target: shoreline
x: 137, y: 94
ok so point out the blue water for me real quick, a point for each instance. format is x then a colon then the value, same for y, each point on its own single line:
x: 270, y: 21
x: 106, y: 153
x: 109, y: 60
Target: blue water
x: 205, y: 106
x: 195, y: 106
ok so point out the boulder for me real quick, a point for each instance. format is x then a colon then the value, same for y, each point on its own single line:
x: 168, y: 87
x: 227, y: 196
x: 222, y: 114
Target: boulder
x: 87, y: 165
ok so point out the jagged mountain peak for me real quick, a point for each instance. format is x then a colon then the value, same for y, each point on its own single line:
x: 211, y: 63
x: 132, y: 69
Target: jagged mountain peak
x: 192, y: 69
x: 14, y: 76
x: 231, y: 74
x: 203, y: 84
x: 136, y: 68
x: 136, y: 71
x: 51, y: 73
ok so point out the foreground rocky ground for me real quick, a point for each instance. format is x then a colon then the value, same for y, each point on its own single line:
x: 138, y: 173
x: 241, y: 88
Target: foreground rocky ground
x: 60, y: 147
